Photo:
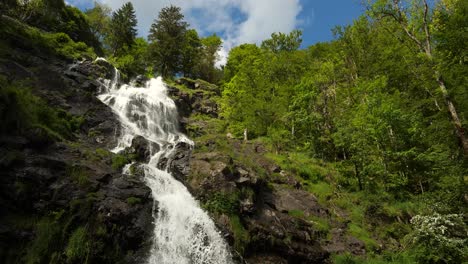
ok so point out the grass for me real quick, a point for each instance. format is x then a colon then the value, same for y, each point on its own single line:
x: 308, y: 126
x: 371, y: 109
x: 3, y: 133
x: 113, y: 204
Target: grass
x: 363, y: 235
x: 46, y: 241
x: 322, y: 190
x: 386, y: 258
x: 79, y: 175
x: 78, y: 246
x: 320, y: 224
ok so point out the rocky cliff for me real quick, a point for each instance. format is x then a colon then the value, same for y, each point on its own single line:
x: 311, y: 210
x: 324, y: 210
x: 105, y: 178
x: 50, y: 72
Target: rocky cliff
x: 63, y: 198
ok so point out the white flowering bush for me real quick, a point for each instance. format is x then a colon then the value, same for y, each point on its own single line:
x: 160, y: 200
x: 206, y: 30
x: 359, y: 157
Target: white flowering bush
x: 439, y: 238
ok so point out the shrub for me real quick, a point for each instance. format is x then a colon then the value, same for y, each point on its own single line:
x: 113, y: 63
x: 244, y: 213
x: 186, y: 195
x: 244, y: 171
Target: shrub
x: 439, y: 238
x: 223, y: 203
x: 119, y: 161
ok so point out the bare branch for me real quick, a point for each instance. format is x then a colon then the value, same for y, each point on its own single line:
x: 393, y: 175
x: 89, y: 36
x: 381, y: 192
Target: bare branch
x: 428, y: 48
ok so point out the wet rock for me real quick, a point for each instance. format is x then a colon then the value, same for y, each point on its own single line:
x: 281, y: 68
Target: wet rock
x: 107, y: 70
x: 141, y: 148
x: 179, y: 161
x: 140, y: 81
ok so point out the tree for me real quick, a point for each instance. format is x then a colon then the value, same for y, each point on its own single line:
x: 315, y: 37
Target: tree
x: 415, y: 19
x: 237, y: 56
x: 99, y: 20
x: 191, y: 53
x: 283, y: 42
x: 206, y: 68
x: 123, y: 30
x: 133, y: 61
x: 167, y: 36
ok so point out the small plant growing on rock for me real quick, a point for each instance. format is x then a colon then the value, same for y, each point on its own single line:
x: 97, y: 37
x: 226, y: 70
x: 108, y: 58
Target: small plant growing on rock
x: 133, y: 200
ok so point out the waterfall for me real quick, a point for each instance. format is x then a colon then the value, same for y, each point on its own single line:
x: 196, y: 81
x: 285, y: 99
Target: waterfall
x: 183, y: 232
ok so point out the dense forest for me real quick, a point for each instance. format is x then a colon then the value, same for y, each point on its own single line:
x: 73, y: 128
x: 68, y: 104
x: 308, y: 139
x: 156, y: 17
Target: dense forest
x: 374, y: 122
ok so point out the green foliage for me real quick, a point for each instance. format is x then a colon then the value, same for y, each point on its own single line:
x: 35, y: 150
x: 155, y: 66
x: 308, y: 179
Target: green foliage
x: 56, y: 17
x: 191, y: 53
x: 46, y: 241
x: 363, y: 235
x: 59, y: 44
x: 132, y: 61
x: 79, y: 175
x: 205, y: 68
x: 296, y: 213
x: 439, y: 238
x: 168, y: 36
x: 241, y: 235
x: 320, y: 224
x: 122, y: 32
x: 387, y: 258
x: 99, y: 20
x: 119, y: 161
x: 78, y: 246
x: 223, y: 203
x: 24, y: 113
x: 282, y: 42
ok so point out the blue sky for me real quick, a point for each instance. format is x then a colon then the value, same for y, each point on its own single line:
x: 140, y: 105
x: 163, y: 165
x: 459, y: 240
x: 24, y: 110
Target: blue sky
x: 249, y: 21
x: 321, y: 16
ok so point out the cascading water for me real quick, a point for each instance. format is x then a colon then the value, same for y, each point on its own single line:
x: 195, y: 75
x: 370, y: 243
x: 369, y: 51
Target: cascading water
x: 183, y: 232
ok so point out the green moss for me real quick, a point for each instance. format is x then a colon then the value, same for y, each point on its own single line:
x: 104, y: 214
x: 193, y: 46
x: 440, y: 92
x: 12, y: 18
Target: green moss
x: 93, y: 133
x: 103, y: 153
x: 78, y: 246
x: 133, y: 200
x: 241, y: 236
x: 296, y: 213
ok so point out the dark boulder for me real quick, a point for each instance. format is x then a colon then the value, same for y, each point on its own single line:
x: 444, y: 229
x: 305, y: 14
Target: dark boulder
x: 178, y: 163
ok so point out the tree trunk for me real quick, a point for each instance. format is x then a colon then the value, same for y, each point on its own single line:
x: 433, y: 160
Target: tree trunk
x: 460, y: 131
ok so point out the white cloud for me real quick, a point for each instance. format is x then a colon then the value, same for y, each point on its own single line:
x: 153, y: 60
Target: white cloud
x: 260, y: 18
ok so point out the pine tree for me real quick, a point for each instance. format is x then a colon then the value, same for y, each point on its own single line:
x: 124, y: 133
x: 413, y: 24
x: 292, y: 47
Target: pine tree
x: 167, y: 35
x: 122, y: 29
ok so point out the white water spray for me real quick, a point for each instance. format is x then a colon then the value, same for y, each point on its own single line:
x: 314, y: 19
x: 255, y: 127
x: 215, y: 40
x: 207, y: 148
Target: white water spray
x: 184, y: 233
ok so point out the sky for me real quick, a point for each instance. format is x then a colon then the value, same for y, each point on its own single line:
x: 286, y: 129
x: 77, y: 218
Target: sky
x: 248, y: 21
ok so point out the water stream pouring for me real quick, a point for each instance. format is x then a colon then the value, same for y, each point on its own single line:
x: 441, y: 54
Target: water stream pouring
x: 183, y: 233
